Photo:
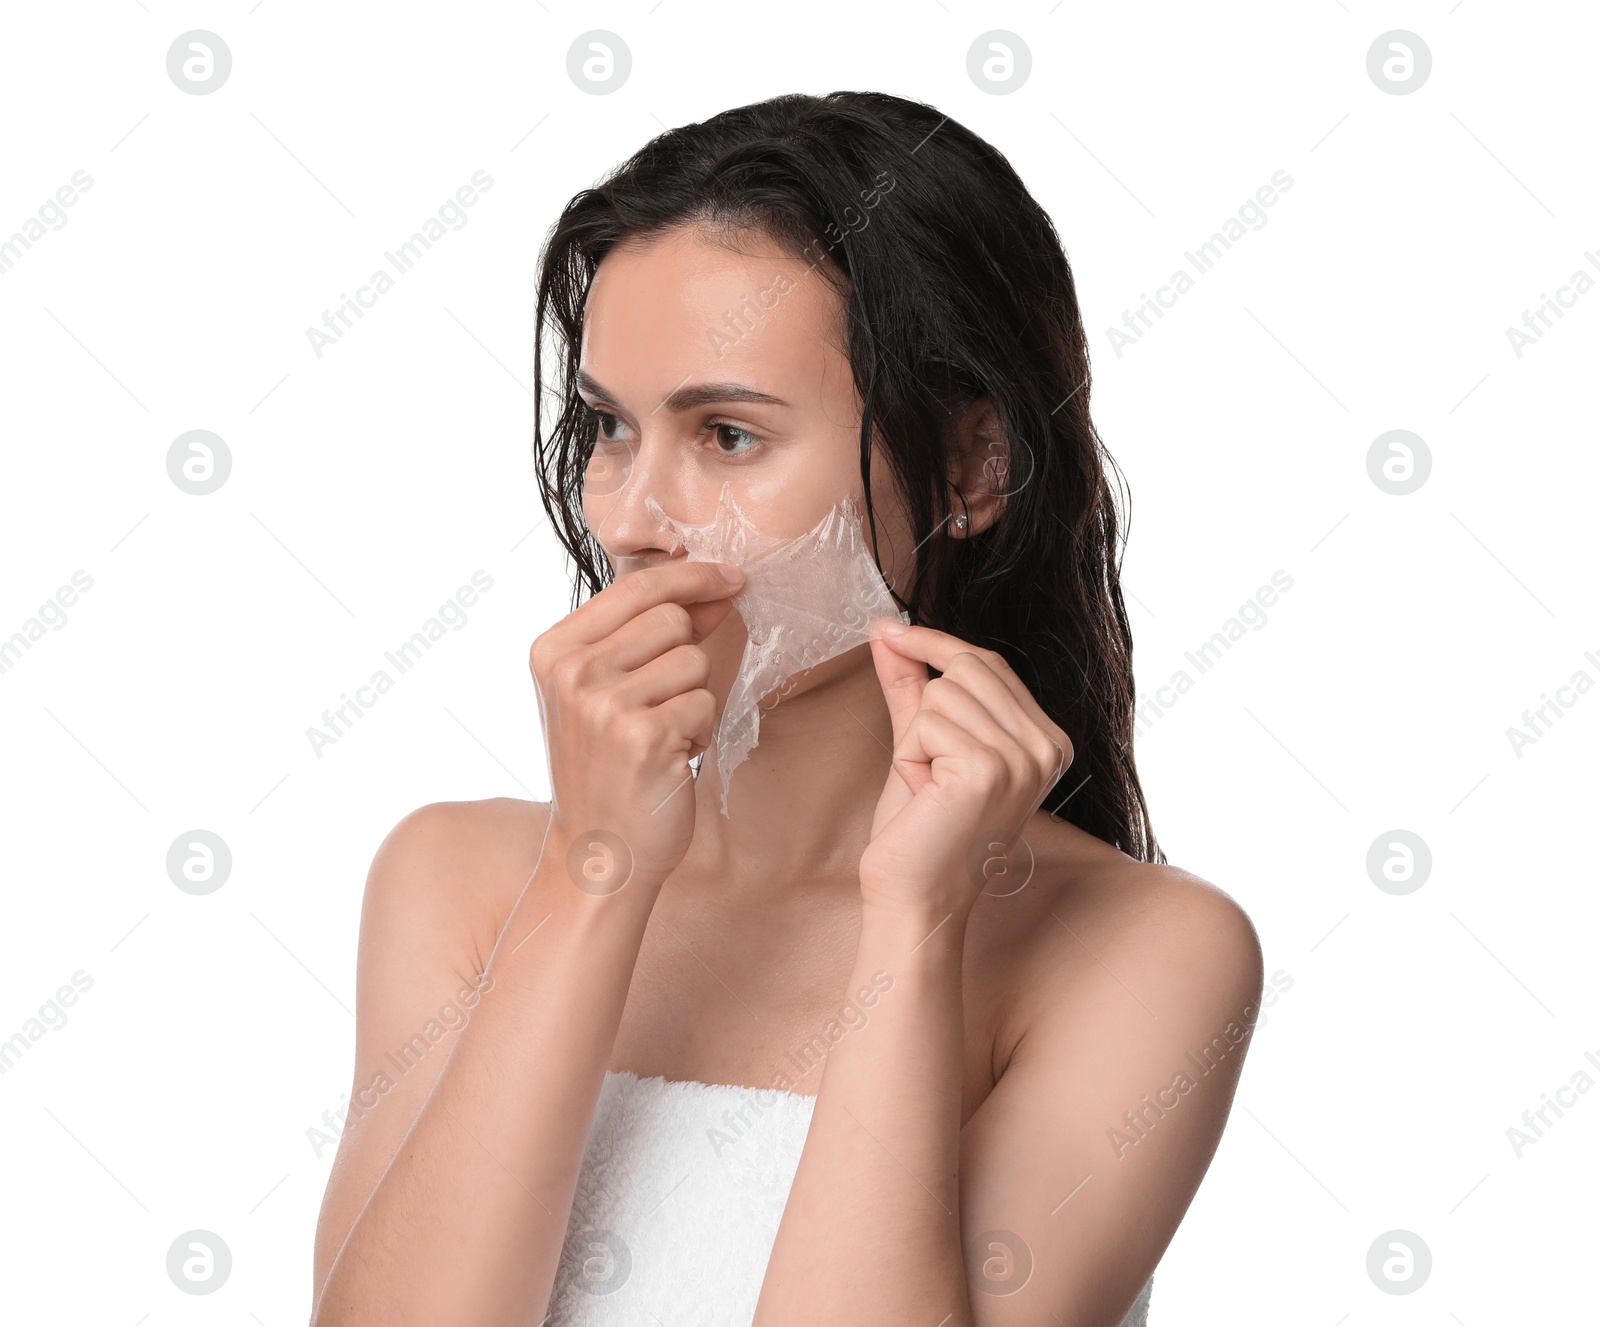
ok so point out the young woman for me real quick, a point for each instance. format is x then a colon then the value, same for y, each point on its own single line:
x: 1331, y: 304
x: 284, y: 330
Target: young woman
x: 923, y: 1030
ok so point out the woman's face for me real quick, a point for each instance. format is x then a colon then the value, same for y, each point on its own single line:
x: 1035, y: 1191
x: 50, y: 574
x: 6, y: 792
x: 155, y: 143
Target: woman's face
x: 713, y: 368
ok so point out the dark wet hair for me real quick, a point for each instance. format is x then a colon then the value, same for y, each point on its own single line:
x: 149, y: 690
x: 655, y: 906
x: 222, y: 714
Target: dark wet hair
x: 954, y: 287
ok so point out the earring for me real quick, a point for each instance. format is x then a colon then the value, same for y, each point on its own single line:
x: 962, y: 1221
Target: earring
x: 961, y: 523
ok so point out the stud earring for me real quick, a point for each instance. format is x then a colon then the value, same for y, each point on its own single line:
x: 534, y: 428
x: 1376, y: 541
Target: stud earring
x: 961, y: 523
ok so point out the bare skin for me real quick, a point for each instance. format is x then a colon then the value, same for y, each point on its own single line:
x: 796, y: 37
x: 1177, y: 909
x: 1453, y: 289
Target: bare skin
x: 991, y: 1087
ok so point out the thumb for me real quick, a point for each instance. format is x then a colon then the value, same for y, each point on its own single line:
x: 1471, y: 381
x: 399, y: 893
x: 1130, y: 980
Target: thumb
x: 902, y: 680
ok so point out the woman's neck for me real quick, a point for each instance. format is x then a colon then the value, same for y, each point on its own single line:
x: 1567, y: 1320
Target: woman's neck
x: 800, y: 805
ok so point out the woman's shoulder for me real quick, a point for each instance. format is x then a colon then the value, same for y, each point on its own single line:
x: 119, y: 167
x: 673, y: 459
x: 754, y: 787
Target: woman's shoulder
x: 463, y: 861
x: 1092, y: 924
x: 461, y: 838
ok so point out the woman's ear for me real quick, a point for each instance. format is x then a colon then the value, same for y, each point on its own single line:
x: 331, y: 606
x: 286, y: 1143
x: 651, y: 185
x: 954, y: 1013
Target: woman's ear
x: 979, y: 469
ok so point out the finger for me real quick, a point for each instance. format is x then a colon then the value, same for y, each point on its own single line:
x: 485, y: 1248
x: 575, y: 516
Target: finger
x: 976, y: 697
x: 657, y: 630
x: 933, y: 743
x: 942, y: 650
x: 692, y: 716
x: 1032, y: 732
x: 678, y: 581
x: 705, y: 618
x: 939, y: 650
x: 902, y: 680
x: 946, y: 696
x: 682, y: 668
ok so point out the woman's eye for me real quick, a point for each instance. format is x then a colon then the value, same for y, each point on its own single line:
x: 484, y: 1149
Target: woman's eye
x: 722, y: 431
x: 606, y: 425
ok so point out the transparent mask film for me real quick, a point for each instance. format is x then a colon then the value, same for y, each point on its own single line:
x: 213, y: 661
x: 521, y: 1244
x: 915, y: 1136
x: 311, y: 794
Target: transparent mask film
x: 805, y: 600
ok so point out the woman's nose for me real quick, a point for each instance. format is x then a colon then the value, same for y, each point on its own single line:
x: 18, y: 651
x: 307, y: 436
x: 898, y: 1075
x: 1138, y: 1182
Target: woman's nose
x: 618, y: 484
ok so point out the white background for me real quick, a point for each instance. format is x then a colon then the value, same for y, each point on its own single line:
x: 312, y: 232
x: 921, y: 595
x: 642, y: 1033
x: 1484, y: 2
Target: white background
x: 369, y: 483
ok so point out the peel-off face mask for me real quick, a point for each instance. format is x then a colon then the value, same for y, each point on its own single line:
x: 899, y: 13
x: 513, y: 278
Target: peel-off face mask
x: 805, y: 600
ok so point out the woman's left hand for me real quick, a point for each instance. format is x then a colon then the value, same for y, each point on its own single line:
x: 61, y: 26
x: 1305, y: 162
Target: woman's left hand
x: 974, y: 755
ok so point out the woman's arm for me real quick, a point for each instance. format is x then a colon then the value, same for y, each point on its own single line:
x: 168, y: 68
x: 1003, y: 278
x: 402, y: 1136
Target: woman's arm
x: 466, y: 1222
x: 1085, y: 1157
x: 429, y: 919
x: 1076, y: 1170
x: 872, y: 1229
x: 1042, y: 1221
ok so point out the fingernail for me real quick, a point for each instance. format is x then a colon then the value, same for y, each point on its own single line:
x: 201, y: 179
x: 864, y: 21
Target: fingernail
x: 730, y: 574
x: 894, y: 627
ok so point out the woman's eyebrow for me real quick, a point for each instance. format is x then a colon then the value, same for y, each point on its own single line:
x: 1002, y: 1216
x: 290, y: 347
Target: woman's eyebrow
x: 693, y: 397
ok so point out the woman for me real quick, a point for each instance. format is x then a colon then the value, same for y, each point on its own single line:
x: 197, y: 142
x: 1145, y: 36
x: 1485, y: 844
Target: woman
x: 923, y: 1029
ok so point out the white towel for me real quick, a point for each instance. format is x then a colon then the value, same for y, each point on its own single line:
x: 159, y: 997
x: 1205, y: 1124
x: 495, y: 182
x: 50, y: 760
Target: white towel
x: 679, y: 1197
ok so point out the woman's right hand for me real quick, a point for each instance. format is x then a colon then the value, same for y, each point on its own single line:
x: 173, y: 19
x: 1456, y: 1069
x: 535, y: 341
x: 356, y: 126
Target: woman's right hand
x: 623, y: 700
